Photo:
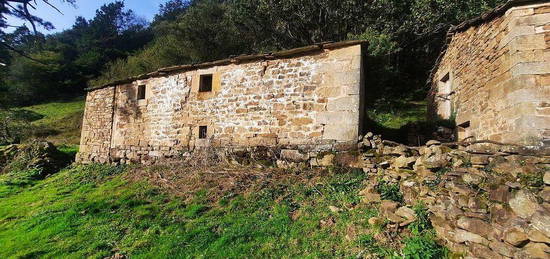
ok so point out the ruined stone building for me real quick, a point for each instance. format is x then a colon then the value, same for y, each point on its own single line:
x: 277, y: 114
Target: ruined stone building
x: 493, y: 79
x: 307, y: 98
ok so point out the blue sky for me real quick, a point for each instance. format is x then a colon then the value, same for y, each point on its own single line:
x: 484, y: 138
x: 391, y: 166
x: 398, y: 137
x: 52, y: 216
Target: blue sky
x: 86, y: 8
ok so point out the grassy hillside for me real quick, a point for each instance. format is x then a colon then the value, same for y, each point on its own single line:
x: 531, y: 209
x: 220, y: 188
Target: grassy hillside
x: 98, y: 211
x: 58, y: 122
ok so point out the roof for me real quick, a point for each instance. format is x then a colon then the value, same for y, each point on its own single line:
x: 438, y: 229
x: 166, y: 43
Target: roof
x: 235, y: 60
x: 492, y: 14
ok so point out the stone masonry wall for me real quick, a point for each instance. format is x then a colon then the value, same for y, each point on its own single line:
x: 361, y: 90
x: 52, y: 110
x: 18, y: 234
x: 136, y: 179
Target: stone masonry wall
x: 484, y: 200
x: 96, y: 129
x: 309, y: 102
x: 499, y: 74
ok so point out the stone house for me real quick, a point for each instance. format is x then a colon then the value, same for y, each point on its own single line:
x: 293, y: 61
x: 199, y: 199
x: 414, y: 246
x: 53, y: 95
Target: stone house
x: 308, y: 99
x: 493, y: 79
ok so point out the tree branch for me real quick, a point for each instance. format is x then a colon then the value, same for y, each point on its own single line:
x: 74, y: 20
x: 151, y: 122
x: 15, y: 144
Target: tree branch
x: 21, y: 53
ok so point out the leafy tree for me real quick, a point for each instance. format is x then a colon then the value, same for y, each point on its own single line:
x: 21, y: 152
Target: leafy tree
x: 65, y: 61
x: 171, y: 10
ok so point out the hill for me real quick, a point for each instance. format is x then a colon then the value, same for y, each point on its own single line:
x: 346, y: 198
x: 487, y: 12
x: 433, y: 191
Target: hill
x: 58, y: 122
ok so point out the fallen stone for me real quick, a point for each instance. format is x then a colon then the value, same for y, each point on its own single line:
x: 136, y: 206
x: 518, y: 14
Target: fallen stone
x: 406, y: 213
x: 369, y: 135
x: 479, y: 160
x: 394, y: 218
x: 472, y: 179
x: 516, y: 238
x: 334, y: 209
x: 404, y: 162
x: 507, y: 168
x: 502, y: 248
x: 476, y: 226
x: 462, y: 236
x: 541, y: 222
x: 371, y: 198
x: 458, y: 188
x: 547, y: 178
x: 481, y: 251
x: 500, y: 213
x: 534, y: 250
x: 388, y: 207
x: 327, y: 160
x: 477, y: 215
x: 396, y: 151
x: 500, y: 194
x: 538, y: 237
x: 406, y: 222
x: 524, y: 204
x: 545, y: 194
x: 293, y: 155
x: 436, y: 161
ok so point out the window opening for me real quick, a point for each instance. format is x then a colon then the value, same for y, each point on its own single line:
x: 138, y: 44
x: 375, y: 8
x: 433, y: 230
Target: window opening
x: 205, y: 83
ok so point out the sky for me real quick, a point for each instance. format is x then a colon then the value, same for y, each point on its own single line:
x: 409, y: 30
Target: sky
x: 86, y: 8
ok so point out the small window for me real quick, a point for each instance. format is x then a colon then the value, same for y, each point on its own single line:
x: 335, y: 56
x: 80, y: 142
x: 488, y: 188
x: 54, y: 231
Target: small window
x: 205, y: 83
x: 465, y: 125
x: 203, y: 132
x: 445, y: 78
x: 141, y: 92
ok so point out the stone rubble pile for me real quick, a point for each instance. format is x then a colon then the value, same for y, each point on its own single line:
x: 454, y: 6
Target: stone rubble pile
x: 484, y: 204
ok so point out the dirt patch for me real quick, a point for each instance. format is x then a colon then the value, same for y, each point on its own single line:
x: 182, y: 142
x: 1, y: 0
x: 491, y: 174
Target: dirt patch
x: 221, y: 181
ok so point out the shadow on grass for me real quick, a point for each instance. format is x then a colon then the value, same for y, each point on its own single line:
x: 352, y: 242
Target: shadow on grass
x: 398, y: 120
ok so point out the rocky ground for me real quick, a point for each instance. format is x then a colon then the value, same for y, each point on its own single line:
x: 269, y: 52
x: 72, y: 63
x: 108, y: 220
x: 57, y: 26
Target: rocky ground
x: 485, y: 200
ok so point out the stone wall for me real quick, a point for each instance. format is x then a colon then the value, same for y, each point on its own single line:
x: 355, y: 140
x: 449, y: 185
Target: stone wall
x: 97, y: 126
x: 494, y: 79
x: 311, y: 102
x: 483, y: 200
x: 482, y: 204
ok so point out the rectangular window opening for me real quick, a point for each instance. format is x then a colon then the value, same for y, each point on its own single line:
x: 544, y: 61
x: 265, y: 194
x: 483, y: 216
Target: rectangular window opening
x: 465, y: 125
x: 141, y: 92
x: 205, y: 83
x: 203, y: 132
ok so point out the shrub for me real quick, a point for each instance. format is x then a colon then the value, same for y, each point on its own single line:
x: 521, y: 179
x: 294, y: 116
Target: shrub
x: 389, y: 191
x: 422, y: 222
x: 423, y: 246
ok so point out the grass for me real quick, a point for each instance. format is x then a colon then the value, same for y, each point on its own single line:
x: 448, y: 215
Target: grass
x: 94, y: 211
x: 58, y: 122
x: 398, y: 115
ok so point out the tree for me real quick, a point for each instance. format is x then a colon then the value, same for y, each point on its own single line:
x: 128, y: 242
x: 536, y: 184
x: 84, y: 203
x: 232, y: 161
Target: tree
x: 171, y: 10
x: 66, y: 61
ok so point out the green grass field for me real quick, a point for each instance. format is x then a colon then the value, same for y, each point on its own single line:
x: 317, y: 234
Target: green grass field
x: 94, y: 211
x: 58, y: 122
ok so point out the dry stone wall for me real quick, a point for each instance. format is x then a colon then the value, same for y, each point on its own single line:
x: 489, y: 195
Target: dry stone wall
x: 309, y: 102
x: 494, y: 79
x: 483, y: 200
